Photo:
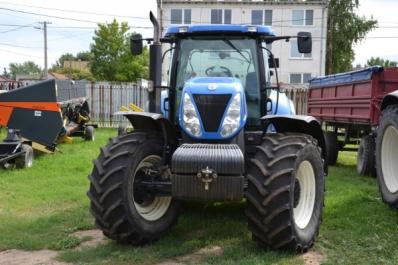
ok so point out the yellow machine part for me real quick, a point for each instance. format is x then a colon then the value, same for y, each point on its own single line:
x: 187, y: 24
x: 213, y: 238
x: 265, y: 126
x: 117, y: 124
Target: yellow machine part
x: 132, y: 107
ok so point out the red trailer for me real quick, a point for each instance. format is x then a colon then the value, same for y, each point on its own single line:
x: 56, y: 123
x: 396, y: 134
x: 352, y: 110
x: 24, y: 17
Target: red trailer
x: 361, y: 105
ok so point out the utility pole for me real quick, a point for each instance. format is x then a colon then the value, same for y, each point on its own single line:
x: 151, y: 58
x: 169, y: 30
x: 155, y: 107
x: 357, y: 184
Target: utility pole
x: 45, y: 47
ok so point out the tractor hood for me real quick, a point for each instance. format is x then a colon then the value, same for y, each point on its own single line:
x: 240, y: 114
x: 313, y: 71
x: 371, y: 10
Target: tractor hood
x: 210, y: 103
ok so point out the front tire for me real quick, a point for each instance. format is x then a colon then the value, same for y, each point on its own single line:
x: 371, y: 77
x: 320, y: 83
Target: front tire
x: 285, y: 192
x: 386, y: 156
x: 118, y: 209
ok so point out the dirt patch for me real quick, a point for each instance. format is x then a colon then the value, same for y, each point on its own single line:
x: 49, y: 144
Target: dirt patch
x: 18, y: 257
x: 313, y: 258
x: 47, y: 257
x: 96, y: 238
x: 194, y: 258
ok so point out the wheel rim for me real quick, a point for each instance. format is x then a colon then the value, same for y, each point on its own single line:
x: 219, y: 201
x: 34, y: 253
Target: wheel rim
x: 29, y: 159
x: 158, y: 206
x: 389, y: 165
x: 304, y: 200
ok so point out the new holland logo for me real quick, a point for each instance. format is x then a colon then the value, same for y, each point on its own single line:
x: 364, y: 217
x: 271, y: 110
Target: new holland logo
x: 212, y: 87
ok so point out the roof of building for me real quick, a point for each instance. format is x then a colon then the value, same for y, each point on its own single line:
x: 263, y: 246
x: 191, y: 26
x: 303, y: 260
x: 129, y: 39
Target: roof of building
x: 246, y: 2
x: 219, y: 28
x: 57, y: 76
x: 4, y: 79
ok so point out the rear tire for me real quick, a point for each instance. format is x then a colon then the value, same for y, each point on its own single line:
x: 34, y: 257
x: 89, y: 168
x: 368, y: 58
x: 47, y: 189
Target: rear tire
x: 386, y: 156
x: 25, y: 160
x: 285, y: 194
x: 89, y: 133
x: 116, y: 210
x: 366, y: 156
x: 332, y: 147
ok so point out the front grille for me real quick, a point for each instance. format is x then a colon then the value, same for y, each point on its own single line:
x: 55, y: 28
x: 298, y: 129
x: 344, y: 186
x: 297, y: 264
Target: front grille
x: 211, y: 109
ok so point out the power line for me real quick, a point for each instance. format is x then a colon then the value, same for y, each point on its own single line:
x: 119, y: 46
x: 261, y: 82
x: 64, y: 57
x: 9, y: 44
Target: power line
x: 22, y: 54
x: 44, y: 15
x: 64, y: 18
x: 76, y: 11
x: 19, y: 46
x: 17, y: 28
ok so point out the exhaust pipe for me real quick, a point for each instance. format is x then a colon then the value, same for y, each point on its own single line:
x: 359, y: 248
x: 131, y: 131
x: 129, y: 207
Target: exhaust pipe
x: 155, y: 67
x: 156, y: 28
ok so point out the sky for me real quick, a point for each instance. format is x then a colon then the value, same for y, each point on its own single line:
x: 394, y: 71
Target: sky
x: 21, y: 36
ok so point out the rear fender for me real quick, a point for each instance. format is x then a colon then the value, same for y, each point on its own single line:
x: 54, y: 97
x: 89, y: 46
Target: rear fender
x: 151, y: 121
x: 299, y: 124
x: 389, y: 99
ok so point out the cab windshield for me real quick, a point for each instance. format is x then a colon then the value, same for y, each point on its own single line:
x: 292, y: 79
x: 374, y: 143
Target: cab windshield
x: 221, y: 57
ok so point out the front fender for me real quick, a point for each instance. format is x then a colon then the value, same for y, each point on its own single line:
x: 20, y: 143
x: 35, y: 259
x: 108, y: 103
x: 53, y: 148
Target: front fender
x: 389, y: 99
x: 300, y: 124
x: 150, y: 121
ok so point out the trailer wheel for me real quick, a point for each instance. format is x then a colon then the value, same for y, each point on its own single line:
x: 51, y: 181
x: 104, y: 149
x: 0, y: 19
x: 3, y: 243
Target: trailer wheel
x: 285, y: 194
x: 121, y: 211
x: 25, y: 160
x: 332, y: 147
x: 386, y: 155
x: 366, y: 156
x: 89, y: 133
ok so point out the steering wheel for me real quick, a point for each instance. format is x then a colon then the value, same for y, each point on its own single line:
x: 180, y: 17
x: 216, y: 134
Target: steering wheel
x: 210, y: 71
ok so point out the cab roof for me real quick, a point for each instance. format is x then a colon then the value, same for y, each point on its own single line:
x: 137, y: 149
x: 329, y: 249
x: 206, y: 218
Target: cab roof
x: 182, y: 30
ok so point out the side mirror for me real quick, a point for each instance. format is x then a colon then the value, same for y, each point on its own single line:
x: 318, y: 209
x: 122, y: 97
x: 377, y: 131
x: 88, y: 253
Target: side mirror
x: 136, y: 44
x: 304, y: 42
x: 272, y: 63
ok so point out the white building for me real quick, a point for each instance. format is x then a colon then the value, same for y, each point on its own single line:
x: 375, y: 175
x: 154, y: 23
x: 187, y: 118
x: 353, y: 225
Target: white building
x: 286, y: 17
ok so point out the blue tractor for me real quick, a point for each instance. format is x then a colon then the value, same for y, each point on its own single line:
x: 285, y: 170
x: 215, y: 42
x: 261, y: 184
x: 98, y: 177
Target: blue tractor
x: 215, y: 135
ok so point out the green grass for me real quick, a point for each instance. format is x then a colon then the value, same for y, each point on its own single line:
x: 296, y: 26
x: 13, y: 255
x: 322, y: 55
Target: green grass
x: 40, y: 208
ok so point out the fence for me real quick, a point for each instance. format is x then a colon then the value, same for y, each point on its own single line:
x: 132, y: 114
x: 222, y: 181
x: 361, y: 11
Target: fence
x: 299, y: 96
x: 106, y: 98
x: 10, y: 85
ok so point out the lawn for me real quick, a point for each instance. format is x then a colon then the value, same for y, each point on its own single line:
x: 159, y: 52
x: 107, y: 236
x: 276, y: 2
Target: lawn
x: 40, y: 207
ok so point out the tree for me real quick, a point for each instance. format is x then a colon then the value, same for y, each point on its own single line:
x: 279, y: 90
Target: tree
x: 345, y: 28
x: 25, y: 68
x: 379, y: 61
x: 65, y: 57
x: 112, y: 59
x: 5, y: 73
x: 84, y: 56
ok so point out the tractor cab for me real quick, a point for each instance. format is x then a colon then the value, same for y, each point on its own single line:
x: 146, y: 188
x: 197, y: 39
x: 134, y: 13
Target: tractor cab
x: 220, y: 70
x: 206, y: 137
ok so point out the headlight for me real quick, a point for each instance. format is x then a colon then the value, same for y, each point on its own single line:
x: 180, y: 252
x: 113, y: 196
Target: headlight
x: 190, y: 117
x: 232, y: 118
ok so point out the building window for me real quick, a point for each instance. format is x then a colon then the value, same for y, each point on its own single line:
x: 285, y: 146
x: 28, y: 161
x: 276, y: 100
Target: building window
x: 220, y: 16
x: 303, y: 17
x: 306, y: 78
x: 300, y: 78
x: 262, y: 17
x: 227, y: 16
x: 257, y: 17
x: 268, y: 17
x: 187, y: 16
x: 180, y: 16
x: 294, y: 52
